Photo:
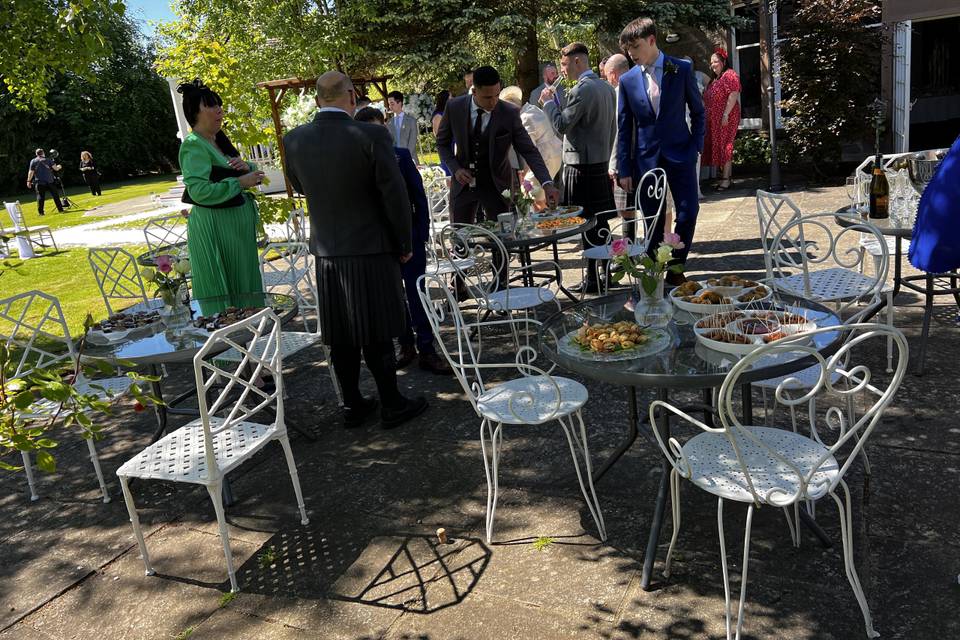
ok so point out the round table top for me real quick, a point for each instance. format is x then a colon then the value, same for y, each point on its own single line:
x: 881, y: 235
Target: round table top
x: 168, y: 346
x: 685, y: 363
x: 533, y: 237
x: 892, y: 226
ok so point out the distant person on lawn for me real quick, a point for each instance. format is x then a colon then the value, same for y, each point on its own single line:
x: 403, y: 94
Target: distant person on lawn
x: 40, y: 177
x: 222, y: 227
x: 90, y: 174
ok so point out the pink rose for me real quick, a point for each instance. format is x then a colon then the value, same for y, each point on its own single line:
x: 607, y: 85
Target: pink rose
x: 673, y: 240
x: 164, y: 263
x: 620, y: 246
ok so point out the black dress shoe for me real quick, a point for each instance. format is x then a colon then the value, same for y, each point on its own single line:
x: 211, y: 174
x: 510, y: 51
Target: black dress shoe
x: 391, y: 418
x: 675, y: 279
x: 407, y: 355
x: 586, y: 286
x: 435, y: 364
x: 355, y: 416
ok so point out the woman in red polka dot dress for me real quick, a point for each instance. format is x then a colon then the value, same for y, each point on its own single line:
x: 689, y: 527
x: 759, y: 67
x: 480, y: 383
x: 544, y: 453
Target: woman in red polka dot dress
x: 722, y: 101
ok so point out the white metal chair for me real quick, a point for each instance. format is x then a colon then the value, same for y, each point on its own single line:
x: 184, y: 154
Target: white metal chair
x: 536, y: 397
x: 803, y: 256
x: 118, y: 276
x: 481, y: 260
x: 38, y: 236
x: 296, y: 226
x: 645, y: 213
x: 224, y: 437
x: 165, y: 231
x: 32, y: 325
x: 286, y: 267
x: 777, y: 467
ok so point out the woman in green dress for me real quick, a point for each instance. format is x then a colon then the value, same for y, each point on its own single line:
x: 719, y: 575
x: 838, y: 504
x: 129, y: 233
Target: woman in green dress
x: 222, y: 228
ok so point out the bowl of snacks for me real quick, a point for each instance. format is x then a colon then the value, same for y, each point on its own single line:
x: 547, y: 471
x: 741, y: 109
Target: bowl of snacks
x: 743, y: 331
x: 556, y: 214
x: 696, y: 298
x: 753, y: 296
x: 225, y: 318
x: 122, y: 326
x: 560, y: 223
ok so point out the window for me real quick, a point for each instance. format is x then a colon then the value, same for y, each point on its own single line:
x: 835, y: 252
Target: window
x: 746, y: 59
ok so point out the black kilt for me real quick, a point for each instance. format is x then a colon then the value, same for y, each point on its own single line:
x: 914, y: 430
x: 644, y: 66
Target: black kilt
x: 361, y: 299
x: 589, y: 186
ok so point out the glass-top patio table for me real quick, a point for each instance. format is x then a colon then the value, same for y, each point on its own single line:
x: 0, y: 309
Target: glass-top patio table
x: 159, y: 345
x: 525, y: 241
x: 929, y: 285
x: 678, y: 362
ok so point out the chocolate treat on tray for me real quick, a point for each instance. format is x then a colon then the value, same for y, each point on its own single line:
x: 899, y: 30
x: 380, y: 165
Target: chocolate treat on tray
x: 225, y: 318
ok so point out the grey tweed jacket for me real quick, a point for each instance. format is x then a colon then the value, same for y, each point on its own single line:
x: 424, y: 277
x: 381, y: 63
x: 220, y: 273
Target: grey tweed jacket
x: 588, y: 121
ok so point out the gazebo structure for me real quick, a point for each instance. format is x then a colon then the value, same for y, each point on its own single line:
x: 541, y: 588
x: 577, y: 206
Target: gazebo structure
x: 279, y: 88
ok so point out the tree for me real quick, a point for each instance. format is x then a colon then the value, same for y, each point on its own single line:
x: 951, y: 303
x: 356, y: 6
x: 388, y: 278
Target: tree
x: 42, y: 38
x: 425, y: 44
x: 108, y: 112
x: 830, y: 71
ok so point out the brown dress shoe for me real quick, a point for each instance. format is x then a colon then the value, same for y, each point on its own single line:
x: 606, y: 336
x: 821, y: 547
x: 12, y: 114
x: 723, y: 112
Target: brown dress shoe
x: 406, y: 356
x: 435, y: 364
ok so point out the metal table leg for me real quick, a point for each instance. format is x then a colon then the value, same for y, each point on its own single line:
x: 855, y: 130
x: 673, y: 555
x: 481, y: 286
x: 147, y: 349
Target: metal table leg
x: 159, y: 409
x: 632, y: 433
x: 659, y: 507
x: 925, y: 334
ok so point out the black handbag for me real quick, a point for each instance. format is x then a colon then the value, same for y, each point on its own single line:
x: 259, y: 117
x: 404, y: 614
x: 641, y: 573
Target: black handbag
x: 218, y: 174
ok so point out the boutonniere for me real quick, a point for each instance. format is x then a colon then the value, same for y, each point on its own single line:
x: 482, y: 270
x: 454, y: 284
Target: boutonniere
x: 670, y: 67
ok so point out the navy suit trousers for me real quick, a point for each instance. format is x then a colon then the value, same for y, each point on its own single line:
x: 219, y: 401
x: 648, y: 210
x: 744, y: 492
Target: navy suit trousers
x: 682, y: 180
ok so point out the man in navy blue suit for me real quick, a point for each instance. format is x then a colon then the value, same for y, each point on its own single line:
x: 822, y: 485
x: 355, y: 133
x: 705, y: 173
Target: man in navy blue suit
x: 652, y: 128
x: 416, y: 266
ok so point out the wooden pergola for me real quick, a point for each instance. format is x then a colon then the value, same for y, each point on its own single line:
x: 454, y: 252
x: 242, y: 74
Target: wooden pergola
x: 279, y: 88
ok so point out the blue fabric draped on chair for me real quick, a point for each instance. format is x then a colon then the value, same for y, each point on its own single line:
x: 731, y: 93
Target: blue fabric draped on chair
x: 935, y: 246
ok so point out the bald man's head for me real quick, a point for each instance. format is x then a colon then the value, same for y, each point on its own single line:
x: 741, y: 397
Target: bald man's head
x: 616, y: 66
x: 334, y: 89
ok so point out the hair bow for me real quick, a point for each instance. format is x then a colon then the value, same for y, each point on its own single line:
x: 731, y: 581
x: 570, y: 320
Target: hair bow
x: 720, y: 51
x: 191, y: 87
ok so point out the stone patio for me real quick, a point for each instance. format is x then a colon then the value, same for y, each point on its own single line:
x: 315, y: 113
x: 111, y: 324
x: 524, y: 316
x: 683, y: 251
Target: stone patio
x: 369, y: 566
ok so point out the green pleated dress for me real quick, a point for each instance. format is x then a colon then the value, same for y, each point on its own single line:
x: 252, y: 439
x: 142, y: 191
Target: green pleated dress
x: 223, y: 242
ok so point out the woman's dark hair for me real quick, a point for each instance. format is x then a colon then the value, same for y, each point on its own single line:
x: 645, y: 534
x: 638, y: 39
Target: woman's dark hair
x: 442, y: 98
x: 196, y: 94
x: 369, y: 114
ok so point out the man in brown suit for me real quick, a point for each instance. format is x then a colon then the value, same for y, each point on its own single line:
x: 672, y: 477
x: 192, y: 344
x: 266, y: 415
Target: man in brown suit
x: 474, y: 140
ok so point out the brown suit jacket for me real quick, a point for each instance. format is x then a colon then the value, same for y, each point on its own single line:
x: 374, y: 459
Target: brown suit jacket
x: 505, y: 130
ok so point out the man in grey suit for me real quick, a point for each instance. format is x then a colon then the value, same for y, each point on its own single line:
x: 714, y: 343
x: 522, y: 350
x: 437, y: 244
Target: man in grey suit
x: 550, y: 76
x: 588, y: 126
x: 360, y: 233
x: 474, y: 140
x: 615, y: 67
x: 403, y: 126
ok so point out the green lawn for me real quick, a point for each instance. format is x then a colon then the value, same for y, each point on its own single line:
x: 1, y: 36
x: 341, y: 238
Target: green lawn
x: 83, y: 201
x: 66, y: 275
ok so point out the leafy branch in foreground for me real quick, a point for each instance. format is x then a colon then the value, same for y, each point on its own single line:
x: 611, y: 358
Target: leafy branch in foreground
x: 62, y: 394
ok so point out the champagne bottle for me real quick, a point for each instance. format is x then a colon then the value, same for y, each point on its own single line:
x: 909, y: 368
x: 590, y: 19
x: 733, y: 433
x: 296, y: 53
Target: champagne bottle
x: 879, y: 191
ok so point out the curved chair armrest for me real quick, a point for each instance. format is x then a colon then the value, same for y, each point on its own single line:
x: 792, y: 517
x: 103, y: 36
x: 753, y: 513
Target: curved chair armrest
x: 672, y: 449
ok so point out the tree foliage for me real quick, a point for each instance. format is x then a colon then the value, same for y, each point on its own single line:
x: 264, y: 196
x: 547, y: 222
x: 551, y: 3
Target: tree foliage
x: 121, y: 112
x: 43, y: 38
x: 830, y: 71
x: 424, y: 44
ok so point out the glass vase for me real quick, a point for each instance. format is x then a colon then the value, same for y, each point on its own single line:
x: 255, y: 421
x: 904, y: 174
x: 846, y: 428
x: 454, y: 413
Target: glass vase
x: 653, y: 309
x: 175, y: 313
